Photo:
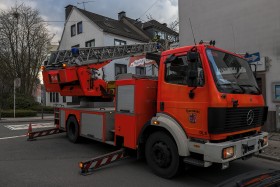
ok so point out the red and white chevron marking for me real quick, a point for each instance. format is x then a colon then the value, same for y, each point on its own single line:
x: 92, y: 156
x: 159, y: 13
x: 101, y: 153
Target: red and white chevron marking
x: 44, y: 133
x: 103, y: 160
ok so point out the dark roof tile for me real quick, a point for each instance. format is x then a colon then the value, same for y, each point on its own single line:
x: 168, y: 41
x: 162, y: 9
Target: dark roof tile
x: 156, y: 24
x: 112, y: 26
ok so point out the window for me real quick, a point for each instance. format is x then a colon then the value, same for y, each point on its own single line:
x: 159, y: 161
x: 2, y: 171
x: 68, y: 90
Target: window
x: 140, y: 70
x: 120, y: 69
x: 160, y: 34
x: 51, y: 97
x: 177, y: 68
x: 75, y: 100
x: 231, y: 73
x: 80, y: 27
x: 64, y: 99
x: 74, y: 46
x: 119, y: 42
x: 54, y: 97
x: 73, y: 30
x: 90, y: 43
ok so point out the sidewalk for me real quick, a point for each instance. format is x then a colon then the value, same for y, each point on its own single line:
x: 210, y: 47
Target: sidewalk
x: 272, y: 152
x: 46, y: 117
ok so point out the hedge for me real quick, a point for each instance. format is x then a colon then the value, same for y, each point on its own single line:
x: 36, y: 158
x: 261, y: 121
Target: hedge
x: 22, y: 102
x: 19, y: 113
x: 46, y: 109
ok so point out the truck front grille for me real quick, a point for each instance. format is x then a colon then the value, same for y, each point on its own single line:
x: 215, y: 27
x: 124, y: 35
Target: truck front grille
x: 221, y: 120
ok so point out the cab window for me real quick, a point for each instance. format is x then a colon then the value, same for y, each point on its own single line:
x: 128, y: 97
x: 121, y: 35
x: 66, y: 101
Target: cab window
x: 177, y: 71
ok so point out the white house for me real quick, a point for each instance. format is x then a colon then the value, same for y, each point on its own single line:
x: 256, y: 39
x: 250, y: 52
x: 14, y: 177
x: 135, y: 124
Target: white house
x: 240, y: 26
x: 87, y: 29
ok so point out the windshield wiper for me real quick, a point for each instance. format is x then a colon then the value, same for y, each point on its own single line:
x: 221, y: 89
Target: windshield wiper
x: 234, y: 90
x: 249, y: 85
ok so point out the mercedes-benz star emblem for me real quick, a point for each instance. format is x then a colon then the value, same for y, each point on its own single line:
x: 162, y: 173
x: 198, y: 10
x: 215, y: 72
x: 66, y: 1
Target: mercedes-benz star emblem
x: 250, y: 117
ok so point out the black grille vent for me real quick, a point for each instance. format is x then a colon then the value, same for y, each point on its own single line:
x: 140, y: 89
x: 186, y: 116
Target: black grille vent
x: 222, y: 120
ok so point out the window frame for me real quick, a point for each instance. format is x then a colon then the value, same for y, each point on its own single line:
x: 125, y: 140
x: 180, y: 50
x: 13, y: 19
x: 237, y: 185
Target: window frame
x: 56, y: 97
x: 51, y: 97
x: 140, y: 68
x: 120, y: 65
x: 78, y: 27
x: 64, y: 99
x: 89, y: 42
x: 186, y: 83
x: 73, y: 30
x: 122, y: 42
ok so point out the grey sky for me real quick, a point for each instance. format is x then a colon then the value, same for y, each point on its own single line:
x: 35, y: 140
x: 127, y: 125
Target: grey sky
x: 164, y: 11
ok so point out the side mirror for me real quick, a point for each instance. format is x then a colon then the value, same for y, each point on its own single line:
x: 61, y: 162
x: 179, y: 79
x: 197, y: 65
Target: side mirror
x: 192, y: 74
x: 254, y: 70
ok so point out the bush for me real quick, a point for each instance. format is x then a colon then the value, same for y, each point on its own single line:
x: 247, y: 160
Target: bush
x: 46, y: 109
x: 19, y: 113
x: 22, y: 102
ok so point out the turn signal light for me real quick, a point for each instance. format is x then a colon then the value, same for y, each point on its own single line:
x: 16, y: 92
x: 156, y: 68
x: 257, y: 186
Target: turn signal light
x: 228, y: 152
x: 64, y: 65
x: 81, y: 165
x: 155, y: 122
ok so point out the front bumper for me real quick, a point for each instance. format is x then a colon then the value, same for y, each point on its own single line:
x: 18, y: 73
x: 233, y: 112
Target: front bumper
x: 242, y: 148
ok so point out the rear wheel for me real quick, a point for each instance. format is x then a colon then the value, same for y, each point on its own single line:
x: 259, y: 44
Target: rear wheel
x: 72, y: 129
x: 162, y: 155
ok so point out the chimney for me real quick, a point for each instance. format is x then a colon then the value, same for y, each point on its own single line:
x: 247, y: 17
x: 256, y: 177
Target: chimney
x: 121, y: 15
x: 68, y: 9
x: 164, y: 24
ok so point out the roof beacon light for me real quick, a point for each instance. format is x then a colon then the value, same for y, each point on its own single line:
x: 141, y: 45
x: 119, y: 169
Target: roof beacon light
x: 211, y: 42
x: 75, y: 52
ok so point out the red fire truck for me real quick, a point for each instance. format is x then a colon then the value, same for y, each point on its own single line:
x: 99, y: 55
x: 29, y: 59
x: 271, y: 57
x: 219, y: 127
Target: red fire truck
x: 204, y: 107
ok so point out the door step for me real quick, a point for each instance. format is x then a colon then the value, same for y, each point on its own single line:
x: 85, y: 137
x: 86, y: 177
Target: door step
x: 193, y: 161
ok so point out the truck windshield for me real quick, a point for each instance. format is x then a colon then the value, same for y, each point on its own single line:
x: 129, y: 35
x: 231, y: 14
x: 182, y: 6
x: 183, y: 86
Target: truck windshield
x: 231, y: 73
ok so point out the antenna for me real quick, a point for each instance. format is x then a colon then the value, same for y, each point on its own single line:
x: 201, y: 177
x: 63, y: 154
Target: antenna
x: 192, y: 31
x: 83, y: 2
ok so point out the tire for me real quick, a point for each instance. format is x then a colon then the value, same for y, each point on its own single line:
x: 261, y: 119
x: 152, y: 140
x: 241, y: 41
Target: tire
x: 72, y: 129
x: 162, y: 155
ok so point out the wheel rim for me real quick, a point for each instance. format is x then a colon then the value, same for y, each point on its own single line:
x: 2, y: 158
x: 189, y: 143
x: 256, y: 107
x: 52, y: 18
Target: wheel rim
x: 161, y: 154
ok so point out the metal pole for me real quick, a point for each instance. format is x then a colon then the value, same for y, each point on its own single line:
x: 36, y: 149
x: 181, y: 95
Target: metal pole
x: 42, y: 111
x: 14, y: 99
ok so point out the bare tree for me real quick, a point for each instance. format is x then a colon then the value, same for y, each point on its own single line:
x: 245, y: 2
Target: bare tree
x: 24, y: 39
x: 174, y: 25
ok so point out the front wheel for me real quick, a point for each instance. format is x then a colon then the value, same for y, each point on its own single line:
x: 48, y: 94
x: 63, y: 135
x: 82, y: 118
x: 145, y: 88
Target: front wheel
x: 162, y: 155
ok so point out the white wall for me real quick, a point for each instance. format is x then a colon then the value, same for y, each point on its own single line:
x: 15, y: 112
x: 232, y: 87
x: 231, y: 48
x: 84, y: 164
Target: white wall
x: 109, y: 39
x: 239, y: 26
x: 48, y: 103
x: 90, y: 31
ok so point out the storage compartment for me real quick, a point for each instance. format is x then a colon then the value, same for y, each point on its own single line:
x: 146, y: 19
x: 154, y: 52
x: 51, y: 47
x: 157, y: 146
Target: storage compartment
x: 135, y: 106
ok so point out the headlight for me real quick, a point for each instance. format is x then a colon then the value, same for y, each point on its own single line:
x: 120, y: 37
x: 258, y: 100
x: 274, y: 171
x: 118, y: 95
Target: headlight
x: 228, y: 152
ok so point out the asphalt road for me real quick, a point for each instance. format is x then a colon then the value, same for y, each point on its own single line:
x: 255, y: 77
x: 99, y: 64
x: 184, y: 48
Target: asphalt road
x: 53, y: 161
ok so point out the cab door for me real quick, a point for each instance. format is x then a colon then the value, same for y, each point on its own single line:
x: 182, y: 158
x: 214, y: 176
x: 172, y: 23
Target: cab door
x: 178, y: 99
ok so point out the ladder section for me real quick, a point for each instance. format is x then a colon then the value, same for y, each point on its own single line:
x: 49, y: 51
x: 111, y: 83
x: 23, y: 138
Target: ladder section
x: 99, y: 54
